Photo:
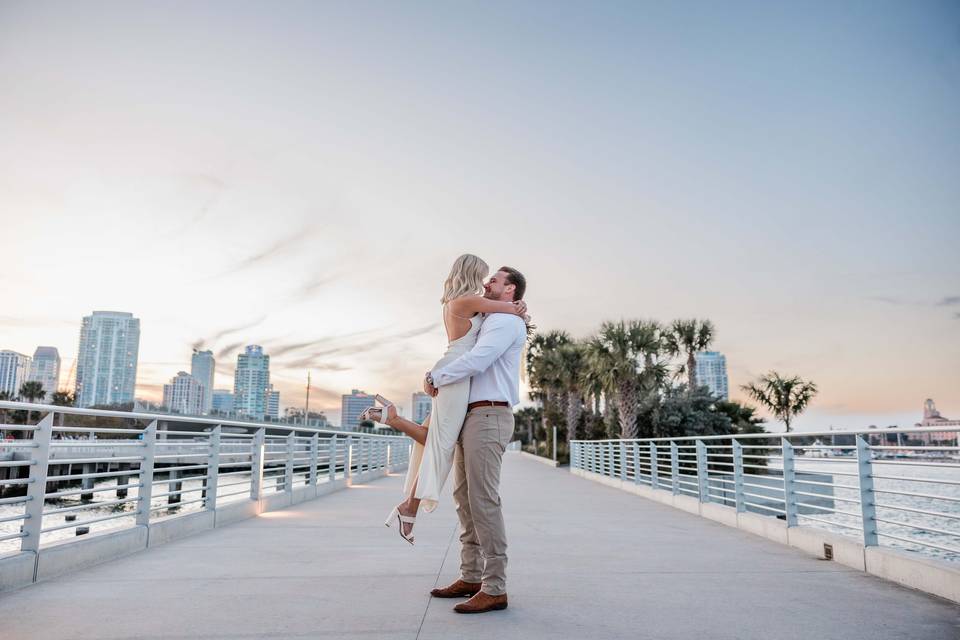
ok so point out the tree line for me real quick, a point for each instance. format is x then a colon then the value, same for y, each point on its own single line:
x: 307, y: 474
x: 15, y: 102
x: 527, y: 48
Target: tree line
x: 638, y: 379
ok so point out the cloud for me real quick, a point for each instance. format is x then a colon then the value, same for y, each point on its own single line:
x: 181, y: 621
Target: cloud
x: 949, y: 301
x: 887, y: 300
x: 202, y: 342
x: 316, y: 359
x: 227, y: 350
x: 278, y: 248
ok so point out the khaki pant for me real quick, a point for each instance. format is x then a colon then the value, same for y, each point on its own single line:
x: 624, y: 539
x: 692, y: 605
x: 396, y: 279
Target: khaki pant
x: 476, y: 492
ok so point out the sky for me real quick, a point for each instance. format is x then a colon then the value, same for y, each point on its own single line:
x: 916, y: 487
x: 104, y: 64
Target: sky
x: 301, y: 175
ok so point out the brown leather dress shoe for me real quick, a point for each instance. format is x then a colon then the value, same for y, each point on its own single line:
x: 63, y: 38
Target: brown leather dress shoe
x: 481, y: 603
x: 458, y: 589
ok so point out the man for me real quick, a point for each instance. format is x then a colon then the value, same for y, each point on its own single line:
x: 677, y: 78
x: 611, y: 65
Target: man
x: 494, y: 368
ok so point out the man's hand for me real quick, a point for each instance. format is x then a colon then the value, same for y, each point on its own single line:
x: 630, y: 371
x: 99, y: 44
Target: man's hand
x: 428, y: 387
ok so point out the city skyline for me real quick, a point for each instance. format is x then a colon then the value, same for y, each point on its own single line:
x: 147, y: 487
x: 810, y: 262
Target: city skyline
x: 788, y: 174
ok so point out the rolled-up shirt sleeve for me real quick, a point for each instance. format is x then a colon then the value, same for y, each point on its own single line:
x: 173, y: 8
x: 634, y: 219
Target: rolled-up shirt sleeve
x: 496, y: 336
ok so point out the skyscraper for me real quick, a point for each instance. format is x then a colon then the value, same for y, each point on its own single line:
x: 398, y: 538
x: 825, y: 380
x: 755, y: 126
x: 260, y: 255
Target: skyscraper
x: 202, y: 367
x: 222, y: 402
x: 352, y: 406
x: 184, y: 394
x: 251, y: 382
x: 712, y: 373
x: 45, y: 369
x: 273, y: 404
x: 107, y: 358
x: 14, y: 369
x: 420, y: 406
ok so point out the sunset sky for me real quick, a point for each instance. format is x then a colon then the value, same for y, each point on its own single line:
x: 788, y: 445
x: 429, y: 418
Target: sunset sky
x: 301, y: 175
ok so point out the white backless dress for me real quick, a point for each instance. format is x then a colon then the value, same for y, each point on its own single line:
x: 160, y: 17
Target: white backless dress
x: 430, y: 464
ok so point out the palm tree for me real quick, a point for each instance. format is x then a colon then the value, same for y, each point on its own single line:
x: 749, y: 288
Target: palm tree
x: 689, y: 337
x: 63, y: 399
x: 616, y: 356
x: 32, y: 391
x: 542, y: 370
x: 570, y: 365
x: 785, y: 398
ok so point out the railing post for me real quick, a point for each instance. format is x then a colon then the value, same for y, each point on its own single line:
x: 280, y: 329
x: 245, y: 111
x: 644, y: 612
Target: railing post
x: 636, y: 462
x: 555, y: 444
x: 789, y: 483
x: 348, y: 457
x: 256, y: 464
x: 288, y: 467
x: 654, y: 470
x: 868, y: 507
x: 674, y: 468
x: 609, y: 448
x: 314, y: 458
x: 37, y: 489
x: 703, y: 477
x: 623, y: 461
x: 738, y: 496
x: 332, y: 458
x: 145, y: 492
x: 213, y: 469
x: 388, y: 452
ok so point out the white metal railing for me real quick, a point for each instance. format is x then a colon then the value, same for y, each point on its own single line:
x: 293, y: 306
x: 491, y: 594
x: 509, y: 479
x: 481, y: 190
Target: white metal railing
x: 896, y: 487
x: 58, y: 471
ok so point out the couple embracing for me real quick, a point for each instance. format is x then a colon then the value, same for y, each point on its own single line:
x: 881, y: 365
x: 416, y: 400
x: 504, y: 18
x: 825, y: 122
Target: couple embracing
x: 474, y: 387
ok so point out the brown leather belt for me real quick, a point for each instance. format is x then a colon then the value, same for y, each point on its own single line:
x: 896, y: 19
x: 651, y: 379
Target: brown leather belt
x: 486, y: 403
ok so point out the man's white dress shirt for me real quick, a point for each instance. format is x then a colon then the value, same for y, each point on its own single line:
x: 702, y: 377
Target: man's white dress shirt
x: 493, y: 363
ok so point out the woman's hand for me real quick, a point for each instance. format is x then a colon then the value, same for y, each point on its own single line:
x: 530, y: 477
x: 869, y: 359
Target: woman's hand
x: 520, y: 308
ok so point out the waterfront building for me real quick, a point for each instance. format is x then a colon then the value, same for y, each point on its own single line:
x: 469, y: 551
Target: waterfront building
x: 711, y: 371
x: 351, y: 406
x: 251, y: 383
x: 184, y: 394
x: 222, y: 402
x: 45, y: 369
x: 107, y: 358
x: 933, y: 419
x: 14, y: 371
x: 202, y: 367
x: 420, y: 406
x: 273, y: 404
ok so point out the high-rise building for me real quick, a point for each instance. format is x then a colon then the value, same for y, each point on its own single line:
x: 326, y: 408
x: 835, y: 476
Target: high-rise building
x: 107, y: 358
x: 273, y: 404
x: 712, y: 373
x: 14, y: 370
x: 202, y: 367
x: 251, y: 382
x: 184, y: 394
x: 45, y: 369
x: 420, y: 406
x: 222, y: 402
x: 352, y: 406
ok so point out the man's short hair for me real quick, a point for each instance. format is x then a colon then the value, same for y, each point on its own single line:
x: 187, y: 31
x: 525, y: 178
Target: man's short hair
x: 516, y: 278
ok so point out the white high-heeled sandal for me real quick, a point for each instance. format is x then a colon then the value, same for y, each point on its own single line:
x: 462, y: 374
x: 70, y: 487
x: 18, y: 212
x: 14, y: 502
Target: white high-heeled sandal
x: 401, y: 520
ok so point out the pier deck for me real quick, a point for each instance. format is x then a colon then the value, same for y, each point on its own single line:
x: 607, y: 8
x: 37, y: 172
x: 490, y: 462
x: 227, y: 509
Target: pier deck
x: 586, y: 561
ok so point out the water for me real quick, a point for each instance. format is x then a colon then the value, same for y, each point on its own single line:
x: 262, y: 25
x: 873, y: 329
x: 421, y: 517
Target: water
x: 123, y: 522
x: 848, y: 489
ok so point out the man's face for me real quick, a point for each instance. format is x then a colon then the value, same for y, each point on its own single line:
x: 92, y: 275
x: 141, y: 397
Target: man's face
x: 497, y: 288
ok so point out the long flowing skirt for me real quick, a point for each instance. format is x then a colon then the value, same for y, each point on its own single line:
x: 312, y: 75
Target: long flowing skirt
x: 430, y: 464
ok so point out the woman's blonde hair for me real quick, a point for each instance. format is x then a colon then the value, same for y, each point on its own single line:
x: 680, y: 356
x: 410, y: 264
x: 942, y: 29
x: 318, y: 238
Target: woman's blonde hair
x: 466, y: 278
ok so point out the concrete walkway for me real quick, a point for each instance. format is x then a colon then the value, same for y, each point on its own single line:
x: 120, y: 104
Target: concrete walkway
x: 586, y: 561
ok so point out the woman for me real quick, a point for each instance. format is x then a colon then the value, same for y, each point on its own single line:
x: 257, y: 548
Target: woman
x: 432, y: 457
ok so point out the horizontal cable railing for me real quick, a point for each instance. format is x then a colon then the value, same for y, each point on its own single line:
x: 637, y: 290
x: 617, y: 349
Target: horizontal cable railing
x: 895, y: 487
x: 72, y: 471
